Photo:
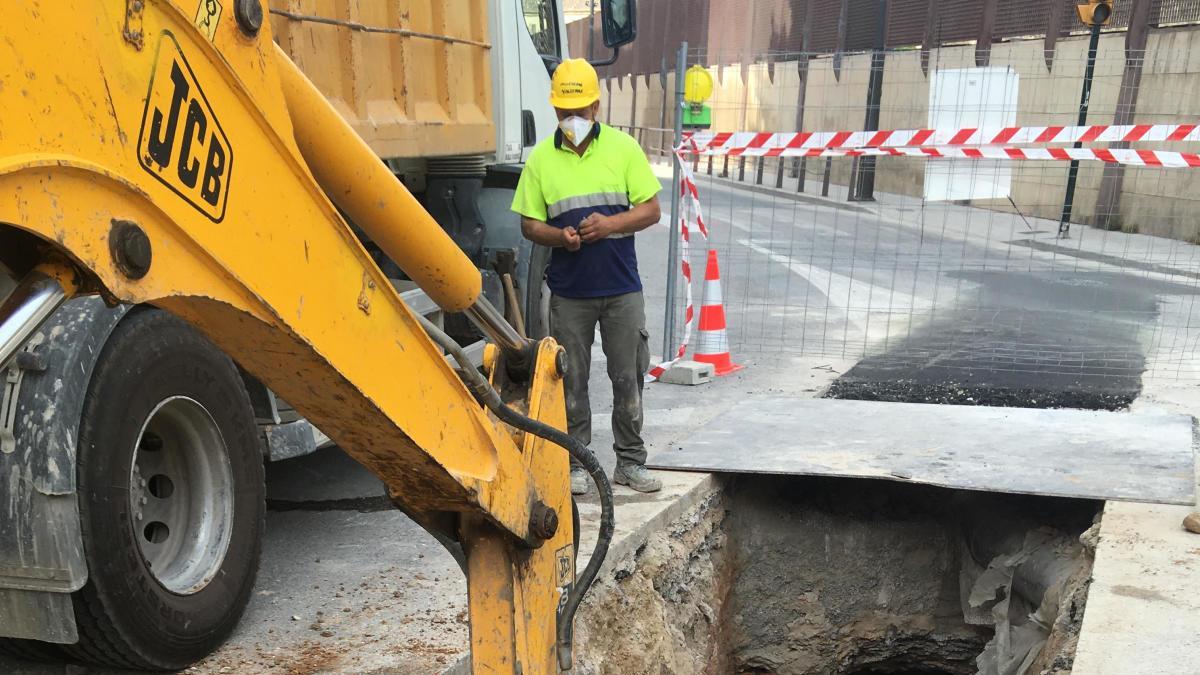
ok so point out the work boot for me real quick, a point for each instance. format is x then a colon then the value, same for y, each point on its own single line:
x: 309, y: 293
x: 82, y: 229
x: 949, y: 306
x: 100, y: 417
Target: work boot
x: 637, y: 477
x: 580, y: 481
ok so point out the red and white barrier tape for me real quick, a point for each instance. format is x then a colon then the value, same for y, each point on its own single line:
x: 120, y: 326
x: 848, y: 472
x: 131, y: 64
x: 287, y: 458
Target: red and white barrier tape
x: 770, y: 144
x: 1127, y: 156
x: 967, y: 143
x: 689, y: 198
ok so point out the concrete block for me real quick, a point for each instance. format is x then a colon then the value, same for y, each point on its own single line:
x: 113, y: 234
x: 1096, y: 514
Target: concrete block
x: 689, y: 372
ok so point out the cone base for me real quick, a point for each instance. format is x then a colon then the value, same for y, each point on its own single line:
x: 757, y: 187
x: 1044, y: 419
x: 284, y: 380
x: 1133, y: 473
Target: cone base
x: 722, y: 363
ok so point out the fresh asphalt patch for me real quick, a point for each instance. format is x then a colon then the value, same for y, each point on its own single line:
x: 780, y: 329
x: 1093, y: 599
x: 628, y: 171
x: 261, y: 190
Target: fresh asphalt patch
x: 1036, y: 340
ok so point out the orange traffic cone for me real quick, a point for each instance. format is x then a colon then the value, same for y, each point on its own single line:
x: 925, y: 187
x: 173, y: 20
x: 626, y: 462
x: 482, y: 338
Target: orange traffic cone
x: 712, y: 344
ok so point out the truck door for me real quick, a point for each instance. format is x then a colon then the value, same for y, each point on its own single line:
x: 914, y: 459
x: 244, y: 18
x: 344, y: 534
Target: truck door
x: 541, y: 44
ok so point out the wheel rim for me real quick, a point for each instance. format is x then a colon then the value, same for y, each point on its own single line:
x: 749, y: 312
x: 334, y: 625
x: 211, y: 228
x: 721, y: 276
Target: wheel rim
x: 181, y: 495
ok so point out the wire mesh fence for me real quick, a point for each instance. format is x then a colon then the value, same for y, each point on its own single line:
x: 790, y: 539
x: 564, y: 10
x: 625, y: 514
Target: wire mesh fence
x: 959, y: 272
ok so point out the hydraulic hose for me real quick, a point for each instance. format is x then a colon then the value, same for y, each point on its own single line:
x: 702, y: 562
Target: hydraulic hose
x: 489, y: 397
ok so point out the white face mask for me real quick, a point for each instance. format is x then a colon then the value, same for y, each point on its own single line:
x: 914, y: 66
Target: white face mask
x: 575, y: 129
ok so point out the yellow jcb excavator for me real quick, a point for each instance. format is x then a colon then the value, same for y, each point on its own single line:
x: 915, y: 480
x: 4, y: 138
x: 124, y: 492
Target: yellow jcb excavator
x: 169, y: 158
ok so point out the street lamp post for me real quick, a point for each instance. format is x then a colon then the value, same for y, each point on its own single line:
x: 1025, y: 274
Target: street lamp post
x: 863, y: 187
x: 676, y: 205
x: 1096, y: 13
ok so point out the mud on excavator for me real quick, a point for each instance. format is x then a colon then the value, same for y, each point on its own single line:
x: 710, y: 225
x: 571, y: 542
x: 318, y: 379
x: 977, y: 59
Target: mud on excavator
x: 207, y: 211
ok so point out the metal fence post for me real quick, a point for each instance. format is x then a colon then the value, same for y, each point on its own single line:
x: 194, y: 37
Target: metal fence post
x: 676, y: 178
x: 1064, y: 221
x: 633, y: 79
x: 862, y: 174
x: 591, y: 30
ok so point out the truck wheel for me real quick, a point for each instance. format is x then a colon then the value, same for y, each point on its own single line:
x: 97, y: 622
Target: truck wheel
x: 537, y: 295
x: 171, y: 498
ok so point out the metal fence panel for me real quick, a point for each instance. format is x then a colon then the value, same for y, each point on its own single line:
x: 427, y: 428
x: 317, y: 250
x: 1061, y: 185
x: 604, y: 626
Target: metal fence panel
x: 786, y: 26
x: 906, y: 22
x: 1168, y: 12
x: 862, y: 25
x: 952, y: 301
x: 958, y: 20
x: 824, y: 25
x: 1020, y: 18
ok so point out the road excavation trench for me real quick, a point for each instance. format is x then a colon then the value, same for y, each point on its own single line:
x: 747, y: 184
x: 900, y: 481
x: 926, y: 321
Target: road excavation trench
x: 791, y: 575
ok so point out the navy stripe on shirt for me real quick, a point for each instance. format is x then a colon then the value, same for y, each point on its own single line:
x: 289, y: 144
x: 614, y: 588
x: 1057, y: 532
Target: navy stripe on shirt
x: 600, y: 269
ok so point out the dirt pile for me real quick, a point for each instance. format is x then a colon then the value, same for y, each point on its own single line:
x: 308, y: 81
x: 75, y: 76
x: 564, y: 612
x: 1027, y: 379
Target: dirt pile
x: 657, y: 610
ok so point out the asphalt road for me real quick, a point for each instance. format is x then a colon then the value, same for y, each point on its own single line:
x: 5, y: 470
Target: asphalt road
x: 945, y: 304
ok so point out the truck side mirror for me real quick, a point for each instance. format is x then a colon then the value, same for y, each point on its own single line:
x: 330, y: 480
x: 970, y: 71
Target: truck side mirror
x: 618, y: 19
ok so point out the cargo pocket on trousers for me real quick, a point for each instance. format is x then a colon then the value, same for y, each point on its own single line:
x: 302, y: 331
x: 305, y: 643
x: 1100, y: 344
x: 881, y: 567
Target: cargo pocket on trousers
x: 643, y: 354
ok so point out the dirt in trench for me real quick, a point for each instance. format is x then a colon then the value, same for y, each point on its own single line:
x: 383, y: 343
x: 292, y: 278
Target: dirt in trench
x: 854, y: 576
x: 832, y: 577
x: 657, y: 610
x: 816, y: 576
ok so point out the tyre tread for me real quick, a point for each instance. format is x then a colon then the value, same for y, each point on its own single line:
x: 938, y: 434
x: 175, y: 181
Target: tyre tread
x: 101, y: 642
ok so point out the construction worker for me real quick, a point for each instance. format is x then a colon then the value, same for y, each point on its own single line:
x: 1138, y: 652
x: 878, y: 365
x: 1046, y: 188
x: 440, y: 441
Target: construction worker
x: 584, y: 192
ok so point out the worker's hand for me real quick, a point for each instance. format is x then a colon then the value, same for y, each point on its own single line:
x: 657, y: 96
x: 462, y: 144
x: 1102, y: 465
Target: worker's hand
x: 570, y: 239
x: 595, y: 227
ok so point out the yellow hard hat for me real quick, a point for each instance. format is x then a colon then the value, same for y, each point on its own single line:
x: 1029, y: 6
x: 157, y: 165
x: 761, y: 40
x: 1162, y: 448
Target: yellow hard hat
x: 574, y: 85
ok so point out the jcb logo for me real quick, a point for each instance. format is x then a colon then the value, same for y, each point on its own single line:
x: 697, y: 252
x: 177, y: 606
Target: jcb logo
x: 181, y: 142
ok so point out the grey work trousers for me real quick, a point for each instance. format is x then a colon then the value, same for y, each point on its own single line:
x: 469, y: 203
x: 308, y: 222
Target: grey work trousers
x: 623, y: 336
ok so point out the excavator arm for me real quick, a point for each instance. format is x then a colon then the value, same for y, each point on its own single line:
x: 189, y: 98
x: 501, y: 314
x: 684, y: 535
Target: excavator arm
x: 150, y: 155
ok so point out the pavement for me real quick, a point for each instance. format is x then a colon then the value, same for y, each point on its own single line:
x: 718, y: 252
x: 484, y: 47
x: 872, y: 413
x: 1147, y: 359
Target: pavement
x: 349, y: 585
x: 1143, y: 609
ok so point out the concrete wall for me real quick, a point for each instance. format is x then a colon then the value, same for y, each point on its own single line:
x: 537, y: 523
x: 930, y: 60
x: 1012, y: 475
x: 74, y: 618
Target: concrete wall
x: 622, y: 106
x: 1045, y: 97
x: 1158, y: 201
x: 1165, y: 202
